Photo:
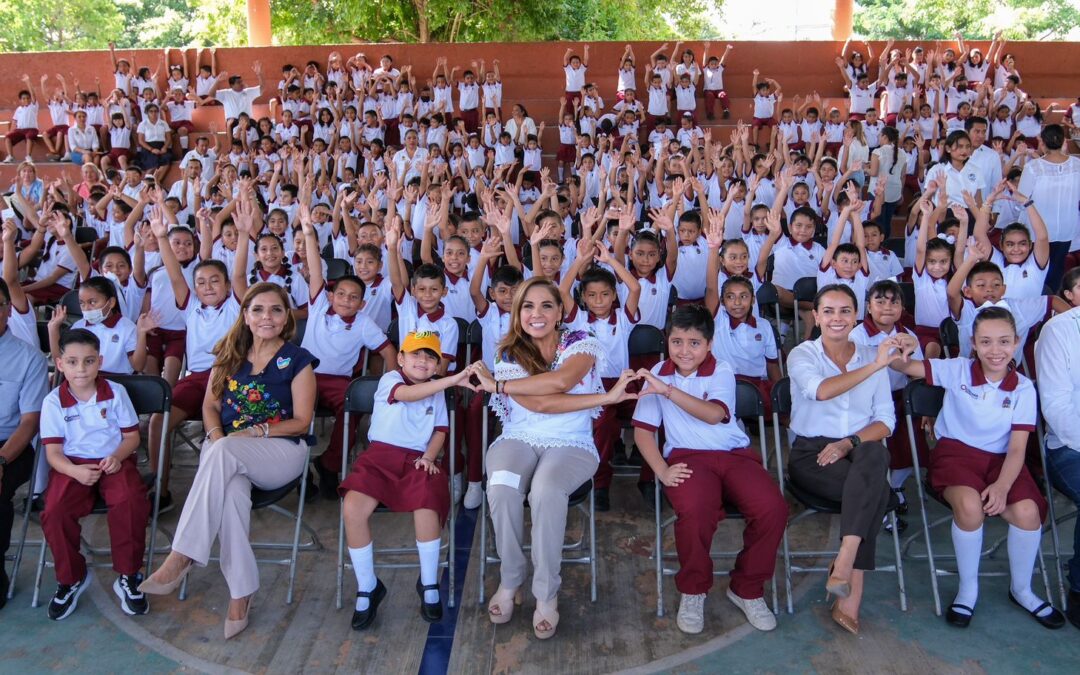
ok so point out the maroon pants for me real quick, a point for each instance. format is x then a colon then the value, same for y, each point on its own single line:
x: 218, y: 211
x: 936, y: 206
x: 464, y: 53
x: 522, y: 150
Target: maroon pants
x: 67, y: 501
x: 331, y: 394
x: 474, y: 433
x: 471, y: 118
x: 710, y: 101
x: 606, y: 431
x: 738, y: 479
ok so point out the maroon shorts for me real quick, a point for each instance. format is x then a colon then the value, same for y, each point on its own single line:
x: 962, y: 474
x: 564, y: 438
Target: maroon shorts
x: 911, y: 182
x: 833, y: 148
x: 56, y: 130
x: 163, y: 343
x: 567, y: 152
x: 388, y: 474
x: 17, y: 136
x: 953, y: 463
x: 182, y: 124
x: 49, y: 294
x: 187, y: 394
x: 763, y: 122
x: 928, y: 335
x: 890, y: 119
x: 117, y: 153
x: 856, y: 116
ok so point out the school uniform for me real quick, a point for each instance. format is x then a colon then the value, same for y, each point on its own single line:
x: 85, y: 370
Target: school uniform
x: 713, y: 89
x: 1027, y: 312
x: 764, y: 111
x: 973, y: 428
x: 89, y: 431
x: 288, y: 278
x: 653, y: 301
x: 412, y: 319
x: 1025, y: 279
x: 748, y: 346
x: 118, y: 336
x: 56, y: 257
x: 931, y: 306
x: 827, y: 275
x: 884, y: 264
x: 689, y: 279
x: 204, y: 327
x: 168, y: 339
x: 377, y: 302
x: 727, y: 473
x: 794, y: 262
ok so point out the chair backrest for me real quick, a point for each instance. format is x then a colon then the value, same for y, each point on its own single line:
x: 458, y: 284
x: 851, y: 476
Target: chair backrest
x: 462, y: 333
x: 950, y: 337
x: 85, y: 235
x: 672, y: 297
x: 781, y: 396
x: 908, y: 290
x: 748, y: 402
x: 475, y: 334
x: 70, y: 302
x: 770, y: 265
x: 805, y: 288
x: 328, y: 252
x: 360, y: 396
x: 922, y: 399
x: 43, y: 336
x: 767, y: 296
x: 336, y: 268
x: 148, y: 393
x: 301, y: 328
x: 392, y: 334
x: 646, y: 339
x: 896, y: 245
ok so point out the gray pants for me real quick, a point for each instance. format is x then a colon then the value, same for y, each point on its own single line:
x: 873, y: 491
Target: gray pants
x: 219, y: 504
x: 548, y: 476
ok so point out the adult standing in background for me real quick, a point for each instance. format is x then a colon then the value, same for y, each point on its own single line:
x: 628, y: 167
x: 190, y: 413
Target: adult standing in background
x: 1053, y: 183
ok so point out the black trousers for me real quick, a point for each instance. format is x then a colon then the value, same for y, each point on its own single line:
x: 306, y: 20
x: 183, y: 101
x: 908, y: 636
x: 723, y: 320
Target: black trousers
x: 858, y: 481
x: 15, y: 474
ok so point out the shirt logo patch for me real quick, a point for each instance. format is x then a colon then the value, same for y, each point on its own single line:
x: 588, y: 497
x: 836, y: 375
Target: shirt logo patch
x: 115, y: 338
x: 1006, y: 403
x: 283, y: 362
x: 104, y: 413
x: 757, y: 337
x: 429, y: 411
x: 967, y: 390
x: 654, y: 290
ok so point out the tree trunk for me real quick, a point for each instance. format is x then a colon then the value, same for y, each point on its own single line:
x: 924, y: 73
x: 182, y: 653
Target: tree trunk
x: 422, y: 28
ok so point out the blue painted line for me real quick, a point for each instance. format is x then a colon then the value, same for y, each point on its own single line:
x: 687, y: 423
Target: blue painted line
x: 440, y: 637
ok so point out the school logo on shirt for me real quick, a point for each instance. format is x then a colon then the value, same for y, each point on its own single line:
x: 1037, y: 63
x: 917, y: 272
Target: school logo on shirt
x: 283, y: 362
x: 967, y: 390
x: 429, y: 411
x: 1025, y: 275
x: 654, y: 290
x: 757, y: 337
x: 104, y: 413
x: 115, y: 338
x: 1006, y: 403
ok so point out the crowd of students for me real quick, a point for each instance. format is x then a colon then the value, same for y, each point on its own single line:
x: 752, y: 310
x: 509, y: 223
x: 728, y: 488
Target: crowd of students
x: 371, y: 202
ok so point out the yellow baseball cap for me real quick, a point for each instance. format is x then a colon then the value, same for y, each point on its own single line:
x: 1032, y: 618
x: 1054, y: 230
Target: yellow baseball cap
x: 416, y: 341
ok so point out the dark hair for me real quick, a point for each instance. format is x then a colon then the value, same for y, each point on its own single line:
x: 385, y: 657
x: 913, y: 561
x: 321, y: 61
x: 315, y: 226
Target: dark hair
x: 646, y: 237
x: 429, y: 271
x: 992, y: 314
x: 849, y: 248
x: 886, y: 288
x: 874, y: 224
x: 216, y: 264
x: 79, y: 336
x: 835, y: 288
x: 737, y: 280
x: 371, y: 249
x: 114, y: 250
x: 508, y: 275
x: 106, y: 288
x: 693, y: 317
x: 973, y: 120
x: 938, y: 244
x: 728, y: 243
x: 894, y: 138
x: 597, y: 275
x: 951, y: 140
x: 1015, y: 227
x: 5, y: 291
x: 984, y: 267
x: 1069, y: 280
x: 286, y: 266
x: 350, y: 279
x: 1053, y: 136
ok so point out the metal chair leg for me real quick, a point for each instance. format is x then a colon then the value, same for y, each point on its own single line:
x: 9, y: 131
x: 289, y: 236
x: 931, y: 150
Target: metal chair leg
x: 659, y: 550
x: 25, y: 523
x: 922, y: 511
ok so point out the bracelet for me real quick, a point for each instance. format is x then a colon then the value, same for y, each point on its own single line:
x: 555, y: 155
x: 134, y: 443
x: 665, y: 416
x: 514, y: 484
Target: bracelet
x: 210, y: 433
x: 266, y: 429
x: 500, y: 386
x: 1029, y: 203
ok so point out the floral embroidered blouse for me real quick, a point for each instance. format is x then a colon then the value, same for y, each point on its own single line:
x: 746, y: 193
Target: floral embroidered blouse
x: 267, y: 396
x: 560, y: 429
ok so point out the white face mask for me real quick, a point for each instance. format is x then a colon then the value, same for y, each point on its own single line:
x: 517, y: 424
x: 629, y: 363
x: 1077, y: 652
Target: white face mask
x: 94, y: 316
x: 112, y: 277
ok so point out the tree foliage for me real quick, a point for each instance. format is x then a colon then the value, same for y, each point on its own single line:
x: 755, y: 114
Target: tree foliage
x: 975, y: 19
x: 47, y: 25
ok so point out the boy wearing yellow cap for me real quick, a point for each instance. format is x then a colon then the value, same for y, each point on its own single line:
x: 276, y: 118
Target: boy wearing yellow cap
x: 399, y: 469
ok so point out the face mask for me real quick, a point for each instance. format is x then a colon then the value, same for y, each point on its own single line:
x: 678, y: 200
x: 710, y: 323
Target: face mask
x: 112, y: 277
x: 94, y: 316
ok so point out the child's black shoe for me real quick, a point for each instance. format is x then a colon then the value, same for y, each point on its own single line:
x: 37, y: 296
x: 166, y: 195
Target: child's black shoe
x: 67, y: 598
x: 132, y: 601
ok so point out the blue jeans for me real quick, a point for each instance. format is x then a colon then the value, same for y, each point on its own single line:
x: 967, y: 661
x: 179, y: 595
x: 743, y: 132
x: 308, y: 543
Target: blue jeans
x: 1064, y: 467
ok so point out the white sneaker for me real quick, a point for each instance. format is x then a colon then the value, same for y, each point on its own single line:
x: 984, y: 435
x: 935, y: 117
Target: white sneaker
x: 474, y: 496
x: 757, y: 612
x: 456, y: 487
x: 691, y: 618
x: 66, y: 157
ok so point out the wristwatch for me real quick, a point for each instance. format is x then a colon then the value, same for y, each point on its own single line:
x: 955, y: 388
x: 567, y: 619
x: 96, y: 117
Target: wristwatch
x: 855, y: 440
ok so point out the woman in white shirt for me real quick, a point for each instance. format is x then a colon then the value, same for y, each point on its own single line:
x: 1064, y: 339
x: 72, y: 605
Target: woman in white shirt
x: 841, y: 410
x: 520, y: 126
x: 546, y: 390
x: 155, y: 143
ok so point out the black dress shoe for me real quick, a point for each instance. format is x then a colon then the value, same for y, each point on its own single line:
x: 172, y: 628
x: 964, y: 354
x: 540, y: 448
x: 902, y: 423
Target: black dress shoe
x: 648, y: 492
x: 959, y: 619
x: 602, y: 500
x: 1072, y: 612
x: 363, y: 619
x: 429, y: 611
x: 902, y: 507
x: 1053, y: 620
x: 328, y: 481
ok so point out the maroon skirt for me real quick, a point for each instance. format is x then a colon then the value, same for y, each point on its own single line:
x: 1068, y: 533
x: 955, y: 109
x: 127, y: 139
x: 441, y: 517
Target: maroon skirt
x: 387, y: 473
x: 899, y: 444
x: 953, y: 463
x: 928, y: 335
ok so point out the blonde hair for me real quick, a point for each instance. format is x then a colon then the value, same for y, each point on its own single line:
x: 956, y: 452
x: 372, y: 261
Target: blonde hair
x: 517, y: 346
x: 232, y: 350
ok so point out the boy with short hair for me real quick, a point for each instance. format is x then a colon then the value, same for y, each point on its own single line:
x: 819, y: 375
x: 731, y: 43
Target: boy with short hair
x: 24, y: 124
x: 90, y: 432
x: 706, y: 464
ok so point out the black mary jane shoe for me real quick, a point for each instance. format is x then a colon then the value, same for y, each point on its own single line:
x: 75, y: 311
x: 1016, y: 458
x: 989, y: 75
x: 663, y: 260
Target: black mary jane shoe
x: 959, y: 619
x: 901, y: 496
x: 429, y: 611
x: 363, y: 619
x: 1054, y: 620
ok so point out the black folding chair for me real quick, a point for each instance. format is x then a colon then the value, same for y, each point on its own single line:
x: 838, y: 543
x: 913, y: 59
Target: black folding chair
x: 768, y: 300
x: 327, y: 253
x: 337, y: 268
x: 950, y: 337
x: 393, y: 334
x: 298, y: 335
x: 85, y: 235
x: 70, y: 303
x: 28, y: 507
x: 748, y: 405
x: 805, y: 290
x: 897, y: 245
x: 360, y: 400
x: 781, y: 405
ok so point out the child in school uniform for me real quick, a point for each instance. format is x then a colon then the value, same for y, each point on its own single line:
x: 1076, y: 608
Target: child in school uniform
x: 612, y: 327
x: 802, y: 257
x: 56, y: 271
x: 689, y: 276
x: 337, y: 334
x: 846, y: 263
x: 165, y: 349
x: 1023, y: 262
x: 91, y: 432
x: 123, y: 342
x: 399, y: 469
x: 713, y: 87
x: 271, y: 264
x: 978, y: 467
x: 707, y: 463
x: 653, y: 263
x: 884, y: 309
x: 884, y: 264
x: 24, y: 124
x: 930, y: 277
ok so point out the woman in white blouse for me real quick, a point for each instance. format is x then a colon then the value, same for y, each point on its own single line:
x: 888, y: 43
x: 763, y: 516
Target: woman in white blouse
x: 546, y: 391
x: 841, y: 410
x: 520, y: 126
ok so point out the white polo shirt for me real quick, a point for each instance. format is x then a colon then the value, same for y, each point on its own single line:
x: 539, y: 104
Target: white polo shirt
x: 714, y: 78
x: 713, y: 381
x: 336, y: 341
x: 377, y: 301
x: 653, y: 302
x: 931, y: 298
x: 868, y: 402
x: 747, y: 345
x: 206, y: 326
x: 883, y: 265
x: 494, y: 325
x: 859, y: 285
x: 153, y: 132
x: 25, y: 116
x: 693, y: 260
x: 411, y: 318
x: 1027, y: 312
x: 967, y: 179
x: 297, y: 288
x: 458, y: 301
x: 868, y: 334
x: 406, y: 424
x: 236, y: 102
x: 575, y: 77
x: 613, y: 333
x: 179, y: 112
x: 468, y: 96
x: 764, y: 106
x: 88, y: 429
x: 1022, y: 280
x: 162, y: 298
x: 795, y: 262
x: 118, y: 336
x: 1057, y: 362
x: 977, y: 412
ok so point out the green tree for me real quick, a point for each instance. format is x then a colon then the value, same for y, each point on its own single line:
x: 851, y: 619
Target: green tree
x: 975, y: 19
x: 155, y: 23
x: 47, y: 25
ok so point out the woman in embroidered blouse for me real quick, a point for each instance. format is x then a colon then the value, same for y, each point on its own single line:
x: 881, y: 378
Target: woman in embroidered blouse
x: 841, y: 410
x: 258, y: 410
x: 546, y: 391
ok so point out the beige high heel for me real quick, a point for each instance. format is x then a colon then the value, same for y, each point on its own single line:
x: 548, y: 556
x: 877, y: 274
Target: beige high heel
x: 503, y: 601
x: 546, y: 612
x: 837, y: 586
x: 234, y: 627
x: 154, y: 587
x: 846, y: 622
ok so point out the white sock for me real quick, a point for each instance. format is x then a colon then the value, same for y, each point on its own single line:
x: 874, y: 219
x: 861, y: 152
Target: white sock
x: 897, y: 479
x: 363, y: 562
x: 1023, y: 548
x: 429, y: 566
x: 560, y: 173
x: 968, y: 547
x: 184, y: 142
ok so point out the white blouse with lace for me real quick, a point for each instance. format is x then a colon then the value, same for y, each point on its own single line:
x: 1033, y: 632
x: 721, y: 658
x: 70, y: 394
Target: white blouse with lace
x: 552, y: 430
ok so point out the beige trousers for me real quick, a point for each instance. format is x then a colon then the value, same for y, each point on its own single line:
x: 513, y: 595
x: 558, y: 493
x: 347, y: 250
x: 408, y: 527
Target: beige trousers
x: 548, y: 476
x: 219, y: 504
